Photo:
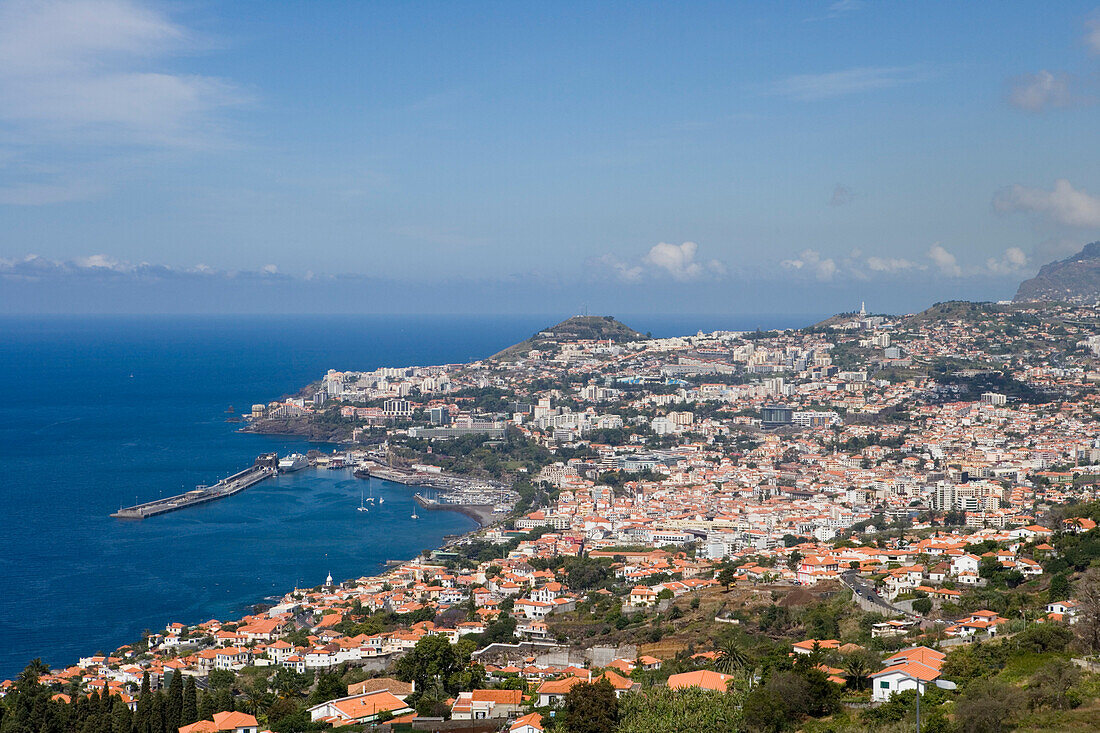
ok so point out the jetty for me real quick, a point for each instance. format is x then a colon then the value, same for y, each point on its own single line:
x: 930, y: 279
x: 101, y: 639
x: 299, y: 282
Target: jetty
x: 480, y: 513
x: 265, y: 467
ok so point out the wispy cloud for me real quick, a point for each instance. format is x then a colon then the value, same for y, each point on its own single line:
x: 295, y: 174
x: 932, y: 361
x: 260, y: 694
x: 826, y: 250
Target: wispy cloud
x: 90, y: 68
x: 1092, y: 35
x: 838, y: 9
x: 810, y: 260
x: 102, y: 266
x: 1063, y: 204
x: 891, y: 264
x: 1036, y: 92
x: 813, y: 87
x: 92, y: 75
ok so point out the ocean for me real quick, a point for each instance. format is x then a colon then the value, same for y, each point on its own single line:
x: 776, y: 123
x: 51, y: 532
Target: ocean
x: 102, y: 411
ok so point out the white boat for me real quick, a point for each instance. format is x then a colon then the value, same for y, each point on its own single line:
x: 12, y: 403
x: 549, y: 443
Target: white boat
x: 414, y: 515
x: 293, y: 462
x: 362, y: 506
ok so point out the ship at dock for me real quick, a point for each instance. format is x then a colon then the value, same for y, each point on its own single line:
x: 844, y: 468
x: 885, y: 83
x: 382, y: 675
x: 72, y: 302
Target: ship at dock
x: 293, y: 462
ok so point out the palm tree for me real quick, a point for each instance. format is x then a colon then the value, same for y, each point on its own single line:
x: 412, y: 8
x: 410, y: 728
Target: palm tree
x: 731, y: 657
x: 857, y: 669
x: 34, y: 671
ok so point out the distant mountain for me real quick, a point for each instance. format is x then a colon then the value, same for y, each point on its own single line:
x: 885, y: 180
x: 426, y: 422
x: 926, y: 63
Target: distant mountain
x: 601, y: 328
x: 1075, y: 279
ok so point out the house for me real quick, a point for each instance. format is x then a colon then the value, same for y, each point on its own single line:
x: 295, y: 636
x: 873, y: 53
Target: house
x: 965, y: 564
x: 233, y: 722
x: 1063, y: 611
x: 531, y: 723
x: 909, y: 669
x: 807, y: 646
x: 363, y: 708
x: 1077, y: 525
x: 978, y: 622
x: 900, y: 677
x: 642, y: 596
x: 486, y: 704
x: 232, y: 657
x: 397, y: 688
x: 552, y: 691
x: 704, y: 678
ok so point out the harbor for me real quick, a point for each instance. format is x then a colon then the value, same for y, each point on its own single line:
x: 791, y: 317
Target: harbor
x: 265, y: 467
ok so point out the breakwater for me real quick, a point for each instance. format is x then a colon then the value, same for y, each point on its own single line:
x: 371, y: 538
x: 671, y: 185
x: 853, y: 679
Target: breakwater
x: 265, y: 467
x: 480, y: 513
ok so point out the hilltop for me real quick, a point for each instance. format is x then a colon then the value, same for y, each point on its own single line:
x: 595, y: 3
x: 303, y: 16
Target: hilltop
x: 596, y: 328
x: 1075, y: 279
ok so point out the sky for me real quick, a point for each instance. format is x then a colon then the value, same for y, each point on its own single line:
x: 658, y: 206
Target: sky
x: 533, y: 157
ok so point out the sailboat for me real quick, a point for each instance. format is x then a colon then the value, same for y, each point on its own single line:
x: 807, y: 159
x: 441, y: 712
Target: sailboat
x: 362, y: 505
x: 414, y: 514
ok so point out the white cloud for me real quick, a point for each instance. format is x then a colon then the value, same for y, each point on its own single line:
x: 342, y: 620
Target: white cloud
x: 890, y: 264
x: 944, y: 261
x: 812, y: 87
x: 810, y: 260
x: 1011, y: 262
x: 1063, y: 204
x: 88, y: 68
x: 623, y: 271
x: 1092, y: 37
x: 842, y: 195
x: 1036, y: 92
x: 678, y: 260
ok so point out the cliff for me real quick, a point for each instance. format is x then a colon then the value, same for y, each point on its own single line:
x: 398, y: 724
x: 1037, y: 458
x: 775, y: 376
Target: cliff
x: 1075, y: 279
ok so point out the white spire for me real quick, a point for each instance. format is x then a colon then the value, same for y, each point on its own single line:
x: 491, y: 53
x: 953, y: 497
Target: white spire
x: 328, y: 580
x: 863, y: 307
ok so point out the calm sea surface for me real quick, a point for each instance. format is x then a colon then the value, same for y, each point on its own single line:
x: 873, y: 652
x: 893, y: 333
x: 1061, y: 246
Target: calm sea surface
x: 97, y: 412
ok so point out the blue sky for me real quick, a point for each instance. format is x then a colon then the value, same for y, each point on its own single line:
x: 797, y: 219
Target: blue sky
x: 699, y: 157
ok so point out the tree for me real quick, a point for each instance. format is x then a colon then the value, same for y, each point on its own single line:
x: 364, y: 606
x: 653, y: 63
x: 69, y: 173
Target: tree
x: 985, y: 708
x: 173, y: 706
x: 726, y: 577
x: 922, y: 605
x: 432, y: 661
x: 1052, y: 686
x: 591, y: 708
x: 189, y: 713
x: 1059, y: 588
x: 661, y: 710
x: 329, y: 687
x: 858, y: 670
x: 1088, y: 610
x: 731, y: 657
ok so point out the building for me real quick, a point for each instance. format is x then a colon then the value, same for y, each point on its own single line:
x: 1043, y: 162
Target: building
x: 773, y: 416
x: 231, y: 722
x: 909, y: 669
x: 363, y: 708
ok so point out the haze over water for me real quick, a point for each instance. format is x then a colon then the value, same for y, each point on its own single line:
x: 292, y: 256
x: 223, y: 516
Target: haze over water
x: 80, y: 436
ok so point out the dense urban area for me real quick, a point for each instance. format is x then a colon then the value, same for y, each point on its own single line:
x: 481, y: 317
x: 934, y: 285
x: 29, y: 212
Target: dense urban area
x: 836, y: 528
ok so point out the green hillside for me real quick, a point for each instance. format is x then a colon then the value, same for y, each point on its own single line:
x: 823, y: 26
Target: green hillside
x: 572, y: 329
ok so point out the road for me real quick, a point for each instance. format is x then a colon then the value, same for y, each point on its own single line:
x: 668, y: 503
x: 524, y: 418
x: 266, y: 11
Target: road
x: 866, y: 589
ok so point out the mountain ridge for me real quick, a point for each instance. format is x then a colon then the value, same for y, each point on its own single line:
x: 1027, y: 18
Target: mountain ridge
x: 1076, y: 279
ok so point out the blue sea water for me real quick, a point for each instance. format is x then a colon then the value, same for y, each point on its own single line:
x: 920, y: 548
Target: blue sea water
x: 99, y: 412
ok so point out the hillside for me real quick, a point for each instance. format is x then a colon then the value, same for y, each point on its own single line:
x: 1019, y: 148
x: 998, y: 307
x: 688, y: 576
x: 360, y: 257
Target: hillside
x: 602, y: 328
x: 1075, y: 279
